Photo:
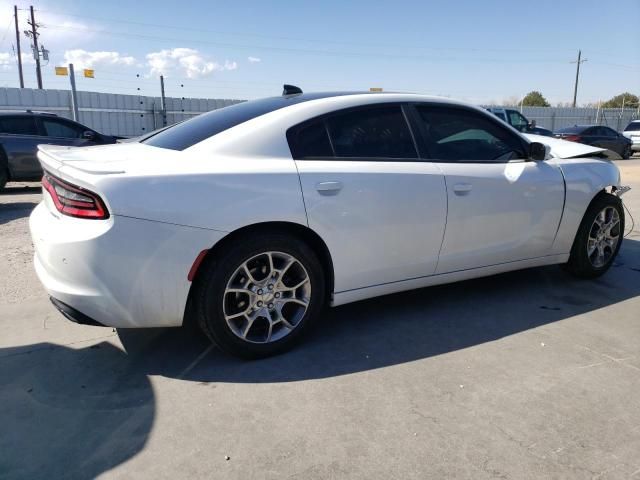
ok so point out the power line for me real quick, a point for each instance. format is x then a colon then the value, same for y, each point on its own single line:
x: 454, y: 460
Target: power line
x: 299, y: 39
x: 305, y: 51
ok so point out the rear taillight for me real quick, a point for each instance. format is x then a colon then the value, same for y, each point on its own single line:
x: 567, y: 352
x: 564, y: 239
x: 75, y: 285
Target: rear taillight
x: 74, y: 201
x: 573, y: 138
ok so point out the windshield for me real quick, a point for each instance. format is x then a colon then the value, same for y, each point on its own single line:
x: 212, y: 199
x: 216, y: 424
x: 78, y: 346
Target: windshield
x: 633, y: 127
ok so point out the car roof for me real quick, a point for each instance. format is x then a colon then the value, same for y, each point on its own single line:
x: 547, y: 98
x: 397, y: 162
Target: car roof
x: 26, y: 113
x: 576, y: 128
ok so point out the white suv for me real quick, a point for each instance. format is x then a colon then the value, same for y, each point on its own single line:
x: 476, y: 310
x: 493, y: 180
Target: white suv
x: 632, y: 132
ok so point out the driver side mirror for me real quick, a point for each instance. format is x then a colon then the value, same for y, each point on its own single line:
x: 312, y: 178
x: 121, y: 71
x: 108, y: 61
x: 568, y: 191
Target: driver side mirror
x: 88, y: 135
x: 532, y: 124
x: 537, y: 151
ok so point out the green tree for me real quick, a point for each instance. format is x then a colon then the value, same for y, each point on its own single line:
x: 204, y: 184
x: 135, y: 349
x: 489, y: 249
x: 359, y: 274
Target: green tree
x: 534, y: 99
x: 630, y: 101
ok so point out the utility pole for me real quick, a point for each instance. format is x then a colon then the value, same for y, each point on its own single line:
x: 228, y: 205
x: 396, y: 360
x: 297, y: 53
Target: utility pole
x: 163, y: 102
x: 36, y: 50
x: 74, y: 95
x: 575, y: 88
x: 15, y: 16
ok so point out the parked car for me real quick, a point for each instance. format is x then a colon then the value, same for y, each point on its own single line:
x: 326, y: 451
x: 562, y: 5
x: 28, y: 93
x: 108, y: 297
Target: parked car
x: 249, y: 219
x: 632, y: 132
x: 22, y: 131
x: 598, y: 136
x: 519, y: 121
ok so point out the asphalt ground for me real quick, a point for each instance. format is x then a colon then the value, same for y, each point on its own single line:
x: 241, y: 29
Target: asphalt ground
x: 530, y: 374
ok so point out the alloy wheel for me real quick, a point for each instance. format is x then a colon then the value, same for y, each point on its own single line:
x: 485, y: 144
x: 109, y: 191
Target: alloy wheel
x: 266, y: 297
x: 604, y: 236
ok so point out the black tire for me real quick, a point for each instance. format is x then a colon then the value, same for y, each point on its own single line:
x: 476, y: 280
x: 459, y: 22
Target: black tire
x: 627, y: 153
x: 579, y: 263
x: 209, y: 296
x: 4, y: 178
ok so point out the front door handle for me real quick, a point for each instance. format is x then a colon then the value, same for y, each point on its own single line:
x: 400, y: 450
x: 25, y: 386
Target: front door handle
x: 462, y: 188
x: 328, y: 188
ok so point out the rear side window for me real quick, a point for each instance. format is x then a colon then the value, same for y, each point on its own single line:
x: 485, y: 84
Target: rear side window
x: 56, y: 128
x: 501, y: 116
x: 375, y: 132
x: 633, y: 127
x: 461, y: 135
x: 313, y: 141
x: 18, y: 125
x: 368, y: 132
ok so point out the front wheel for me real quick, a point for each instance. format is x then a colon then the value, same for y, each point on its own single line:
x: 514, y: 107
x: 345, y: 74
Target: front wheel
x: 599, y: 237
x: 261, y: 295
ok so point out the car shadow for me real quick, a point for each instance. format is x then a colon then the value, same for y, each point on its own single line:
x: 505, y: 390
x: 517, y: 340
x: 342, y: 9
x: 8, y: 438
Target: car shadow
x: 71, y: 413
x: 399, y: 328
x: 20, y: 189
x: 14, y: 211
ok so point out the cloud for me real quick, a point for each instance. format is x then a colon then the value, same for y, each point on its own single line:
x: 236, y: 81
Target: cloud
x: 8, y: 60
x: 254, y: 59
x: 84, y: 59
x: 186, y: 61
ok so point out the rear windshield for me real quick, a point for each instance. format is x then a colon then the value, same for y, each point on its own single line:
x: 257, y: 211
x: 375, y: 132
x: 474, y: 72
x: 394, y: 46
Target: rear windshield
x: 188, y: 133
x: 633, y: 127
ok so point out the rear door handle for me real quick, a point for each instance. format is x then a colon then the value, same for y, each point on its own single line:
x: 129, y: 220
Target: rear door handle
x: 462, y: 188
x: 328, y: 188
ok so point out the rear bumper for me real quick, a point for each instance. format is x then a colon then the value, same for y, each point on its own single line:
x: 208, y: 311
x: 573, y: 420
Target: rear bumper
x: 120, y: 272
x: 73, y: 314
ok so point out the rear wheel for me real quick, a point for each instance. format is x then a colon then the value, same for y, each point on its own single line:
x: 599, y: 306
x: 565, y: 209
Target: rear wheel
x: 260, y: 296
x: 599, y: 237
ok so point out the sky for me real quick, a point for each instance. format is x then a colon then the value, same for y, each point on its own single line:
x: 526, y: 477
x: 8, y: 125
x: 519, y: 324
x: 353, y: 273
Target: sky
x: 480, y: 51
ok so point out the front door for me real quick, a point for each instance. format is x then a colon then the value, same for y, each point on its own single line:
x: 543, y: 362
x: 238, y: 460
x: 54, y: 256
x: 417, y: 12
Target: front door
x: 501, y: 207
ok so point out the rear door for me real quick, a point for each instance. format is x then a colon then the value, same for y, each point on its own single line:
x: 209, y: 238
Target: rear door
x: 379, y: 208
x: 19, y: 140
x: 501, y: 207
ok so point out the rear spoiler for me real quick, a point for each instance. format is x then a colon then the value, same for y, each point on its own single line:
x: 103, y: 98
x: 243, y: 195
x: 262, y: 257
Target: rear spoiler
x: 54, y: 157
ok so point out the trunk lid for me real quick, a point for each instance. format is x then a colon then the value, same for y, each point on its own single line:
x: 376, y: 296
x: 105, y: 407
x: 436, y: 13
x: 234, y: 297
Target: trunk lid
x: 101, y: 159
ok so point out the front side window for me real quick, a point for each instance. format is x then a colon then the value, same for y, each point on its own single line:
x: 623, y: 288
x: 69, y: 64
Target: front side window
x: 609, y: 132
x: 518, y: 121
x: 373, y: 132
x: 462, y: 135
x: 18, y: 125
x: 56, y: 128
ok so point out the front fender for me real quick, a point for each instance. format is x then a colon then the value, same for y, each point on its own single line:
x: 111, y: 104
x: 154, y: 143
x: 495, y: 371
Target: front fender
x: 584, y: 179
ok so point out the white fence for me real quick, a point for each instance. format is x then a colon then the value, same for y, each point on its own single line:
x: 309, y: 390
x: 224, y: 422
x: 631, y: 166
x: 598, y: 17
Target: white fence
x: 132, y: 115
x: 109, y: 113
x: 555, y: 118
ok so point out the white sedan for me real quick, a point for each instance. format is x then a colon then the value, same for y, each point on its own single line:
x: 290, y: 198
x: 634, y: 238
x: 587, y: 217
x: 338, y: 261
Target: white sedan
x: 250, y: 219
